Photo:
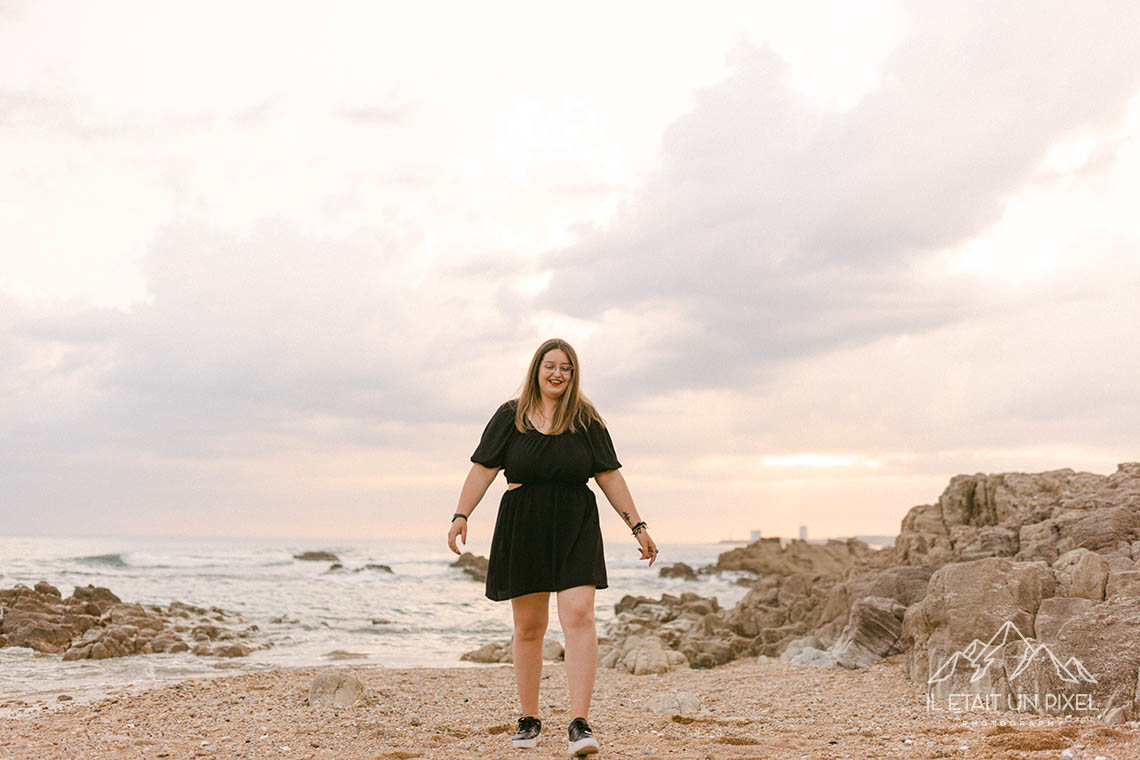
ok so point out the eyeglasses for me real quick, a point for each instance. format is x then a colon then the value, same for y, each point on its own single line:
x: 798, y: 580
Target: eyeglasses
x: 551, y: 366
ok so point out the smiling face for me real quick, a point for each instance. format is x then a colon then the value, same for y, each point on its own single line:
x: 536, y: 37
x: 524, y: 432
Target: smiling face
x: 555, y: 373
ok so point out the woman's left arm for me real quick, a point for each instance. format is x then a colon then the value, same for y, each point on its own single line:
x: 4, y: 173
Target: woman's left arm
x: 613, y: 485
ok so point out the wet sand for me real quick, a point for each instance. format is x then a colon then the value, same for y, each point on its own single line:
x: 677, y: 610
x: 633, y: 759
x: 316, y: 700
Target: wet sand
x: 750, y: 710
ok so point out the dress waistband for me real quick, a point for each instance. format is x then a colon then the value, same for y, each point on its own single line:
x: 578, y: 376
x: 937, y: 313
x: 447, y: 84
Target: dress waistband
x: 532, y: 483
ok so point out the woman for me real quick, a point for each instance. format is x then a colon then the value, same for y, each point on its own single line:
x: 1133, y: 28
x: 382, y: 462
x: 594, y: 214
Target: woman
x: 549, y: 441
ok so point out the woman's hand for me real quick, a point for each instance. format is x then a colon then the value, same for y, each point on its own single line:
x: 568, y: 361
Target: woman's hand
x: 648, y: 548
x: 458, y: 528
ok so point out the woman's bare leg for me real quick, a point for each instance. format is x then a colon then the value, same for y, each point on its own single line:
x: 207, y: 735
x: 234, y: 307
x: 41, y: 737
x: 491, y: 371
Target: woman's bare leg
x: 531, y: 612
x: 576, y: 614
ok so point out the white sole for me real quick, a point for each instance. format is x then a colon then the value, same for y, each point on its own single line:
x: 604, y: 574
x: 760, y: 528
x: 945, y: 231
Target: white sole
x: 583, y: 747
x: 524, y: 743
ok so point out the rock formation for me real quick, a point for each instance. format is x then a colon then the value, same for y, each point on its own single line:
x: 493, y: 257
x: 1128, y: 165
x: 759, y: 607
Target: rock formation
x: 674, y: 703
x: 95, y: 624
x: 659, y: 635
x: 338, y: 567
x: 317, y: 556
x: 473, y: 565
x: 1026, y: 517
x: 490, y: 653
x: 769, y: 556
x: 1016, y: 591
x: 678, y: 570
x: 336, y: 688
x: 1035, y: 602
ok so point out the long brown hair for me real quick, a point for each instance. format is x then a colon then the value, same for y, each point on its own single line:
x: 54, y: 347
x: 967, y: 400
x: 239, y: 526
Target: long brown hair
x: 573, y: 410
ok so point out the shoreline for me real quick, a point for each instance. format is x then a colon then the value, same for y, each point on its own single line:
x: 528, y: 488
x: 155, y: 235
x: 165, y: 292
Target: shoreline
x: 750, y: 709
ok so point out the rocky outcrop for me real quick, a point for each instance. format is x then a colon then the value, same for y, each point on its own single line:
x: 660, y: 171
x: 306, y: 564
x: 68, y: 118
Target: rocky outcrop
x: 489, y: 653
x: 95, y: 624
x: 1081, y: 573
x: 317, y: 556
x: 658, y: 635
x: 970, y: 600
x: 1020, y: 590
x: 640, y: 655
x: 1026, y: 517
x: 337, y: 567
x: 472, y: 564
x: 678, y: 570
x: 1103, y: 639
x: 1045, y: 620
x: 770, y: 556
x: 502, y: 652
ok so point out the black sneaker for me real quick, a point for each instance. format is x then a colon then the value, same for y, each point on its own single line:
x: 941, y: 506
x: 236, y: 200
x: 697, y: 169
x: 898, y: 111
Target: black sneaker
x: 582, y: 741
x: 527, y: 735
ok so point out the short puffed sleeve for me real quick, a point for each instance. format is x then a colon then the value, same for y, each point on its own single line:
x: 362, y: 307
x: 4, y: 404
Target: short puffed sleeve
x: 492, y: 448
x: 601, y: 448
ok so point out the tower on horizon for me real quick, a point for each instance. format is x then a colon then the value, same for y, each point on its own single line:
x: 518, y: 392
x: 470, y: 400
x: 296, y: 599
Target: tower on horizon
x: 803, y: 533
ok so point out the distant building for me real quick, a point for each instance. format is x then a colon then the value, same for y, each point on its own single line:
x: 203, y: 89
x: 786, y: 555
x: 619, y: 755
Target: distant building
x: 756, y: 535
x: 803, y: 533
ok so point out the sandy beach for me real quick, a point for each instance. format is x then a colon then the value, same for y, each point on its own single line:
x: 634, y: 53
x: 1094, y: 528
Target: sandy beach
x: 751, y: 709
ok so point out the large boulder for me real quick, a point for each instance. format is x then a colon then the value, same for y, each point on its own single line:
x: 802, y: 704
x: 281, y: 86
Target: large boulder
x: 490, y: 652
x: 1010, y: 671
x: 1103, y: 638
x: 968, y: 601
x: 100, y: 597
x: 906, y: 584
x: 674, y: 703
x: 1124, y: 583
x: 473, y: 565
x: 337, y: 689
x: 874, y: 631
x: 1054, y: 613
x: 1082, y: 573
x: 1083, y: 661
x: 678, y: 570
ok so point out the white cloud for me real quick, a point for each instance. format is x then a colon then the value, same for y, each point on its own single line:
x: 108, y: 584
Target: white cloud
x: 871, y: 247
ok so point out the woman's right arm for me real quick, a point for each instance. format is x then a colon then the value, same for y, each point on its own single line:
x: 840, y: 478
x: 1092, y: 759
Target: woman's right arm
x: 478, y: 480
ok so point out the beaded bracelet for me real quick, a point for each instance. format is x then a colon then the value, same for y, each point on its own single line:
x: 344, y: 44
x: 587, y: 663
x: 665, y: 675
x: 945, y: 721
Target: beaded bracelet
x: 457, y: 515
x: 637, y: 528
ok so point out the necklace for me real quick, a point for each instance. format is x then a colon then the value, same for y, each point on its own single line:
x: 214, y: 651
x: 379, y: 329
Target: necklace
x: 537, y: 416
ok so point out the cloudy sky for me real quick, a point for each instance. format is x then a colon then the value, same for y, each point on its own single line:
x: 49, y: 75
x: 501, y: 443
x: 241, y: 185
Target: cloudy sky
x: 267, y: 268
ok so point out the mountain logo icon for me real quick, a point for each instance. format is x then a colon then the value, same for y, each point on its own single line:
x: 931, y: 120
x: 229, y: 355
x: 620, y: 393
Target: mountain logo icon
x: 976, y: 658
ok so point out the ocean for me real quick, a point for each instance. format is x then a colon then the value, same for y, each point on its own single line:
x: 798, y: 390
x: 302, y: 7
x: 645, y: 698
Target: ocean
x: 424, y: 614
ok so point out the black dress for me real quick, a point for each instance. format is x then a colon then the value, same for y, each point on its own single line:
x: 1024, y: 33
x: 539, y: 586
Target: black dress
x: 547, y: 536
